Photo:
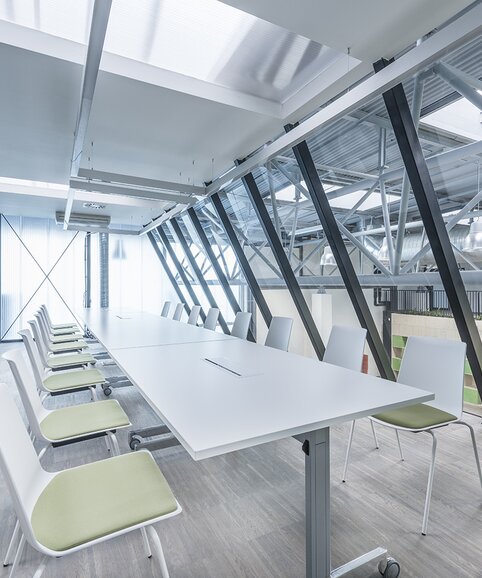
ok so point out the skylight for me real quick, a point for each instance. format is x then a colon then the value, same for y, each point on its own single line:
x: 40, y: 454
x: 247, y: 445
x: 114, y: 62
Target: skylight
x: 461, y: 117
x: 204, y: 40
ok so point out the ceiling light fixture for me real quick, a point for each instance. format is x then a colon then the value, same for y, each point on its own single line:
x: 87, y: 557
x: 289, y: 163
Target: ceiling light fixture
x: 328, y: 258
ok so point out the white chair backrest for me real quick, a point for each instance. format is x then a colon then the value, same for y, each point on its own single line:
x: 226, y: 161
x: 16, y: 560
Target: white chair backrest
x: 165, y: 309
x: 41, y: 347
x: 193, y: 316
x: 34, y: 356
x: 436, y: 365
x: 178, y: 312
x: 41, y: 312
x: 212, y: 319
x: 241, y: 324
x: 279, y: 333
x: 43, y: 328
x: 24, y: 380
x: 19, y: 463
x: 345, y: 347
x: 47, y: 314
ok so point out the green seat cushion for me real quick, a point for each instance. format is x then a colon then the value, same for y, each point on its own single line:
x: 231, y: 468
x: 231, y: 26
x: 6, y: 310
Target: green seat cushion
x: 71, y: 511
x: 83, y: 419
x: 64, y: 338
x: 415, y: 416
x: 70, y: 360
x: 71, y: 345
x: 64, y: 331
x: 73, y: 379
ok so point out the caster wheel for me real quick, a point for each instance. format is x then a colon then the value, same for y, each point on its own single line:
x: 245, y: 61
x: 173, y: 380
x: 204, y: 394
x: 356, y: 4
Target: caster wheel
x: 107, y: 391
x: 389, y: 568
x: 133, y: 443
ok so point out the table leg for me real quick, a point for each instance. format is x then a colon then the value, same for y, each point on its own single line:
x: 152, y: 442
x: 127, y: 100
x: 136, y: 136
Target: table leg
x: 316, y: 445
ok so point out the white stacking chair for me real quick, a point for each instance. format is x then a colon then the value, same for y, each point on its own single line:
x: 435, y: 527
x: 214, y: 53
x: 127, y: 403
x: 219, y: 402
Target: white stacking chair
x: 345, y: 348
x: 62, y: 426
x: 241, y: 324
x: 436, y: 365
x: 194, y: 315
x: 60, y: 382
x: 212, y: 319
x: 59, y: 361
x: 72, y: 327
x: 279, y: 333
x: 58, y: 512
x: 54, y: 335
x: 178, y: 312
x: 165, y: 309
x: 59, y: 343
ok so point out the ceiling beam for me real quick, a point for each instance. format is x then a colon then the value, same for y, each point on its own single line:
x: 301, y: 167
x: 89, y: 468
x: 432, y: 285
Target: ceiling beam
x: 98, y: 29
x: 468, y: 26
x: 141, y: 182
x: 106, y: 188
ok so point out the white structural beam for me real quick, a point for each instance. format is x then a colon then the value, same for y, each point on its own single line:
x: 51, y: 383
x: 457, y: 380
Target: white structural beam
x: 129, y: 191
x: 116, y: 178
x: 468, y: 26
x: 98, y: 29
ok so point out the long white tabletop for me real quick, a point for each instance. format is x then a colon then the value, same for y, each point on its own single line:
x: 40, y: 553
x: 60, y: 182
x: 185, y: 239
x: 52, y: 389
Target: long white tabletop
x: 249, y: 394
x: 117, y: 328
x: 219, y: 394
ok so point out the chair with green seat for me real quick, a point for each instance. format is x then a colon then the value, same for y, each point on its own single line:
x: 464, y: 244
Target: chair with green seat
x: 72, y: 327
x: 62, y: 426
x: 436, y: 365
x: 57, y: 338
x: 61, y: 361
x: 60, y: 382
x: 57, y: 511
x: 59, y: 346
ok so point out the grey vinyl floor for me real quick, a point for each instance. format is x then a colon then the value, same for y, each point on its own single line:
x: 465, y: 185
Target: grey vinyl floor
x: 243, y: 513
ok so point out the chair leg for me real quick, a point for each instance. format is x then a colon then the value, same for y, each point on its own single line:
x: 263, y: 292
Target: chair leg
x: 375, y: 437
x: 93, y: 394
x: 474, y: 445
x: 429, y: 484
x: 347, y: 457
x: 158, y: 548
x: 8, y: 556
x: 42, y: 452
x: 145, y: 540
x: 41, y: 567
x: 18, y: 555
x: 114, y: 443
x: 399, y: 445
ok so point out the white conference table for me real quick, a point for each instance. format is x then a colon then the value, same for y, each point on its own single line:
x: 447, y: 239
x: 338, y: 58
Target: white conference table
x: 224, y: 394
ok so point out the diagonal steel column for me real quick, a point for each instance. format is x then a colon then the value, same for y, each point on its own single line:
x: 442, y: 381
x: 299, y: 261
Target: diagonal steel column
x: 198, y: 273
x: 215, y: 264
x: 242, y: 259
x: 180, y: 269
x: 342, y: 258
x: 168, y: 271
x: 283, y: 263
x: 423, y: 190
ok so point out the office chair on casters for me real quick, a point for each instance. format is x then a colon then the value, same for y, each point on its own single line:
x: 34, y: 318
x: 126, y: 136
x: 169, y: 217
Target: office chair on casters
x: 178, y: 312
x: 436, y: 365
x: 279, y: 333
x: 241, y: 325
x: 165, y: 309
x: 193, y: 316
x: 58, y: 512
x: 211, y: 319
